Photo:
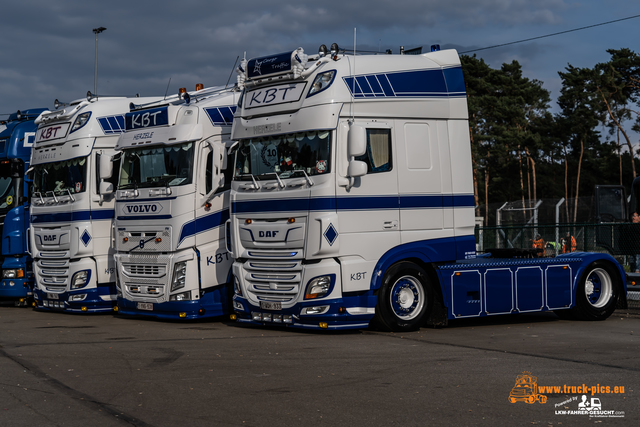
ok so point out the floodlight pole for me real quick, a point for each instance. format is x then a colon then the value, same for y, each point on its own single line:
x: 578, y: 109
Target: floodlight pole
x: 96, y: 31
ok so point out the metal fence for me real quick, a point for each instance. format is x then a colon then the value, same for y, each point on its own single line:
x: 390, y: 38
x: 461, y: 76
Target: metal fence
x: 621, y: 240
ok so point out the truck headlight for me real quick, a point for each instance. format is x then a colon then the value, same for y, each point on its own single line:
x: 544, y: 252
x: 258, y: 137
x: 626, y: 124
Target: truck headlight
x: 80, y: 279
x: 318, y: 287
x: 182, y: 296
x: 179, y: 276
x: 81, y: 120
x: 12, y: 273
x: 236, y: 286
x: 321, y: 82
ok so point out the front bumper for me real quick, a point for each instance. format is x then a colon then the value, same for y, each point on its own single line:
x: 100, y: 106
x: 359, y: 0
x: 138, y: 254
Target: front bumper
x: 352, y: 312
x: 213, y: 303
x: 96, y: 300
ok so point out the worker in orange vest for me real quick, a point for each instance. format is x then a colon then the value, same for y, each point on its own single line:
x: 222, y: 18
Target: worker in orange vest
x: 538, y: 244
x: 569, y: 244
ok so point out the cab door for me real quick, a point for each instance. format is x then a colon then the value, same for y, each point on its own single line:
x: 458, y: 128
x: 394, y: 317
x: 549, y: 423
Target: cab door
x: 212, y: 211
x: 368, y: 211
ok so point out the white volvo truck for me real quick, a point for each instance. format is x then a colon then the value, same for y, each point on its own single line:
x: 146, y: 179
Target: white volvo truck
x: 172, y: 201
x: 71, y: 221
x: 352, y: 201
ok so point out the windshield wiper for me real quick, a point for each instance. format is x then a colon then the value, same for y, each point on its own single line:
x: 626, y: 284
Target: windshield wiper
x: 73, y: 199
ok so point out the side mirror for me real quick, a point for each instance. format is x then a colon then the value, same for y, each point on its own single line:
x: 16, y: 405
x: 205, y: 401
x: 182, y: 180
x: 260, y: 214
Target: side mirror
x: 106, y: 167
x: 106, y: 188
x: 356, y: 168
x: 356, y: 141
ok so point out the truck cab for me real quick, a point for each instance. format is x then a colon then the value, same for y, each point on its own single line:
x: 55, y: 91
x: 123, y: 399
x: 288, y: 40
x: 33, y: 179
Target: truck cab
x: 17, y: 134
x: 172, y: 201
x: 71, y: 219
x: 352, y: 202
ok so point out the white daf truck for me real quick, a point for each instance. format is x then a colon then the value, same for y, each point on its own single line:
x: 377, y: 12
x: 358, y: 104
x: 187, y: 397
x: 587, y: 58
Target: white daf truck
x: 71, y: 221
x: 352, y: 202
x: 172, y: 201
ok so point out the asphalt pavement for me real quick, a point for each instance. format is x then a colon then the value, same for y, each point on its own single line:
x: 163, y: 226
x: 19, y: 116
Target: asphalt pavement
x: 105, y: 370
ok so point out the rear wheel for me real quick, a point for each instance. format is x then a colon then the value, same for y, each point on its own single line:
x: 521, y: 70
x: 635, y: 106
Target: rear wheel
x: 404, y: 298
x: 597, y: 292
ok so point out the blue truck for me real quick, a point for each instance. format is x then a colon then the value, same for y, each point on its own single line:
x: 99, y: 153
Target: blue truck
x: 17, y: 134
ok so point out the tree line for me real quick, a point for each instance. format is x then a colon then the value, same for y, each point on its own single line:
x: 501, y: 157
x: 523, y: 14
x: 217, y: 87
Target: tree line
x: 522, y: 151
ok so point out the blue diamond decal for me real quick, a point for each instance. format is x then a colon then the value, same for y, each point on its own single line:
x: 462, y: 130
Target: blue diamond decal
x: 330, y: 234
x: 86, y: 238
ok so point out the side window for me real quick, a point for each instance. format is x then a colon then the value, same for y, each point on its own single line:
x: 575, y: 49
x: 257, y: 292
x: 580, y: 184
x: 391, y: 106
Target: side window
x: 209, y: 173
x: 378, y: 155
x: 228, y: 175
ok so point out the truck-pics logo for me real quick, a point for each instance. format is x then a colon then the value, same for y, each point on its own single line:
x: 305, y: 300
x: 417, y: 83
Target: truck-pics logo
x: 526, y: 390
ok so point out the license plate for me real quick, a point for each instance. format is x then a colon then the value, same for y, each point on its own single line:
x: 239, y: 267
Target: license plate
x: 53, y: 296
x: 270, y: 305
x: 145, y: 306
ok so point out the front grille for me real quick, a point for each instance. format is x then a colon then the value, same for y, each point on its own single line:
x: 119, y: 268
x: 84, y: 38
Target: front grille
x: 53, y: 274
x: 144, y: 270
x: 144, y: 276
x: 273, y: 281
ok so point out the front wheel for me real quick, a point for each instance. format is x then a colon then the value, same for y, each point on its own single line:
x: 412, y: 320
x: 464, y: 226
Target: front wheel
x: 597, y: 292
x: 404, y: 298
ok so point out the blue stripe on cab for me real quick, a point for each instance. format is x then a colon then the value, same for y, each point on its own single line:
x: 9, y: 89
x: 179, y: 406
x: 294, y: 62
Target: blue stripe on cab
x: 99, y: 214
x: 428, y: 201
x: 202, y: 224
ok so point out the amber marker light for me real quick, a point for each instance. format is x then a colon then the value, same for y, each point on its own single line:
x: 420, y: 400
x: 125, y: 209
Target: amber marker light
x: 207, y: 205
x: 458, y: 273
x: 248, y: 221
x: 199, y: 86
x: 125, y: 239
x: 158, y: 239
x: 291, y: 220
x: 182, y: 90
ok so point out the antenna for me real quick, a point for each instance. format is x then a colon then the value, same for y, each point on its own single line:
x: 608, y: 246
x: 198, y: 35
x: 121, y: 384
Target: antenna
x: 232, y: 68
x: 353, y: 76
x: 167, y: 91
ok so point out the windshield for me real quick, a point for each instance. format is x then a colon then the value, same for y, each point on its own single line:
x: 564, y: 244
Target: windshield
x: 7, y: 187
x: 68, y: 176
x: 164, y: 166
x: 286, y: 155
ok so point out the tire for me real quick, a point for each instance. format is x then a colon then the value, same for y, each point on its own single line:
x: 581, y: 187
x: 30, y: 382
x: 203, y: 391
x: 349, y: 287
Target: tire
x: 404, y: 299
x: 597, y: 292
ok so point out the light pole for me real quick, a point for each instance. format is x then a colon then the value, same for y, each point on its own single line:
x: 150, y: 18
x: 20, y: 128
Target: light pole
x: 96, y: 31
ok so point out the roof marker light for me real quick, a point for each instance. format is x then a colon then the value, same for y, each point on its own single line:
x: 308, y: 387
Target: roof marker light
x: 199, y: 86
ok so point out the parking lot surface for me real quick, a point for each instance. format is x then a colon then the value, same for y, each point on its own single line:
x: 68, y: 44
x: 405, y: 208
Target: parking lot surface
x: 105, y: 370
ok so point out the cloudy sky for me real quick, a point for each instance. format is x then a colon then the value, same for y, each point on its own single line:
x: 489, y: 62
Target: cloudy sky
x: 48, y: 47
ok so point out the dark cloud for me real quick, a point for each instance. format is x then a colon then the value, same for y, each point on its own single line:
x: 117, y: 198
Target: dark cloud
x: 48, y: 47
